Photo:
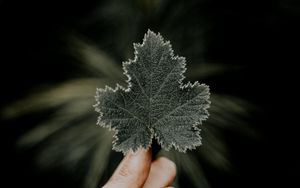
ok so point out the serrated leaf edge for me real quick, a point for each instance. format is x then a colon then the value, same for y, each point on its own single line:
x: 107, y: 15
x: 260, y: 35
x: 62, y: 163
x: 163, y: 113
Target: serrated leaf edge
x: 181, y: 85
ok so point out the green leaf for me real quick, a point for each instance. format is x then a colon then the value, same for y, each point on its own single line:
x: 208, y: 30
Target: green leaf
x: 156, y: 103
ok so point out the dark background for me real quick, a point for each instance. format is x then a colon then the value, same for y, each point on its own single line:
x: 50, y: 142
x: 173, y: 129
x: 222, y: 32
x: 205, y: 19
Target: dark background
x: 262, y: 36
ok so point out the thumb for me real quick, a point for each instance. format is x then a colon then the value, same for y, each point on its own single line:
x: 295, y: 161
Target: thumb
x: 132, y: 172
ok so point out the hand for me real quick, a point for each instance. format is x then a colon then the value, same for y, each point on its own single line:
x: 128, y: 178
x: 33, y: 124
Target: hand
x: 137, y: 170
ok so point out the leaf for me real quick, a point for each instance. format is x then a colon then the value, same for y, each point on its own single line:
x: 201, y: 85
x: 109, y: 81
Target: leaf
x: 155, y: 103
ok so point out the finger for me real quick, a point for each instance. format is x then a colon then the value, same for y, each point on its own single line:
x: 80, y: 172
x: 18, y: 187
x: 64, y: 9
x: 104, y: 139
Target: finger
x: 132, y: 172
x: 162, y: 173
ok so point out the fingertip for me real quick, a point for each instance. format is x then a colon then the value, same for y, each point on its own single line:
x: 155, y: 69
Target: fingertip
x: 162, y: 173
x: 133, y: 170
x: 168, y: 165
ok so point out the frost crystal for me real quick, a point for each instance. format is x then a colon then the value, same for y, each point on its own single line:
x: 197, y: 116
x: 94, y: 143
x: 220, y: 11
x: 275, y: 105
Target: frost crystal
x: 156, y: 103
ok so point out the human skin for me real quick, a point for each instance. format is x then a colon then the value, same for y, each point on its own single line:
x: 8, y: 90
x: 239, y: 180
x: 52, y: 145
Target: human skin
x: 137, y: 170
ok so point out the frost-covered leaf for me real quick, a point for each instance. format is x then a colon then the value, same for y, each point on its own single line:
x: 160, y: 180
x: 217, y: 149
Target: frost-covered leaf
x: 156, y: 103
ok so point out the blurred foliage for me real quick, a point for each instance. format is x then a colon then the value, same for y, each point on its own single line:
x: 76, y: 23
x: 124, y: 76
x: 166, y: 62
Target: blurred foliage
x: 71, y: 134
x: 100, y: 43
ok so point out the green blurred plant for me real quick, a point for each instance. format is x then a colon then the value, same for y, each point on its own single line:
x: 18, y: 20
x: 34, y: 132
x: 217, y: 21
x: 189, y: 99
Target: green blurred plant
x: 71, y: 132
